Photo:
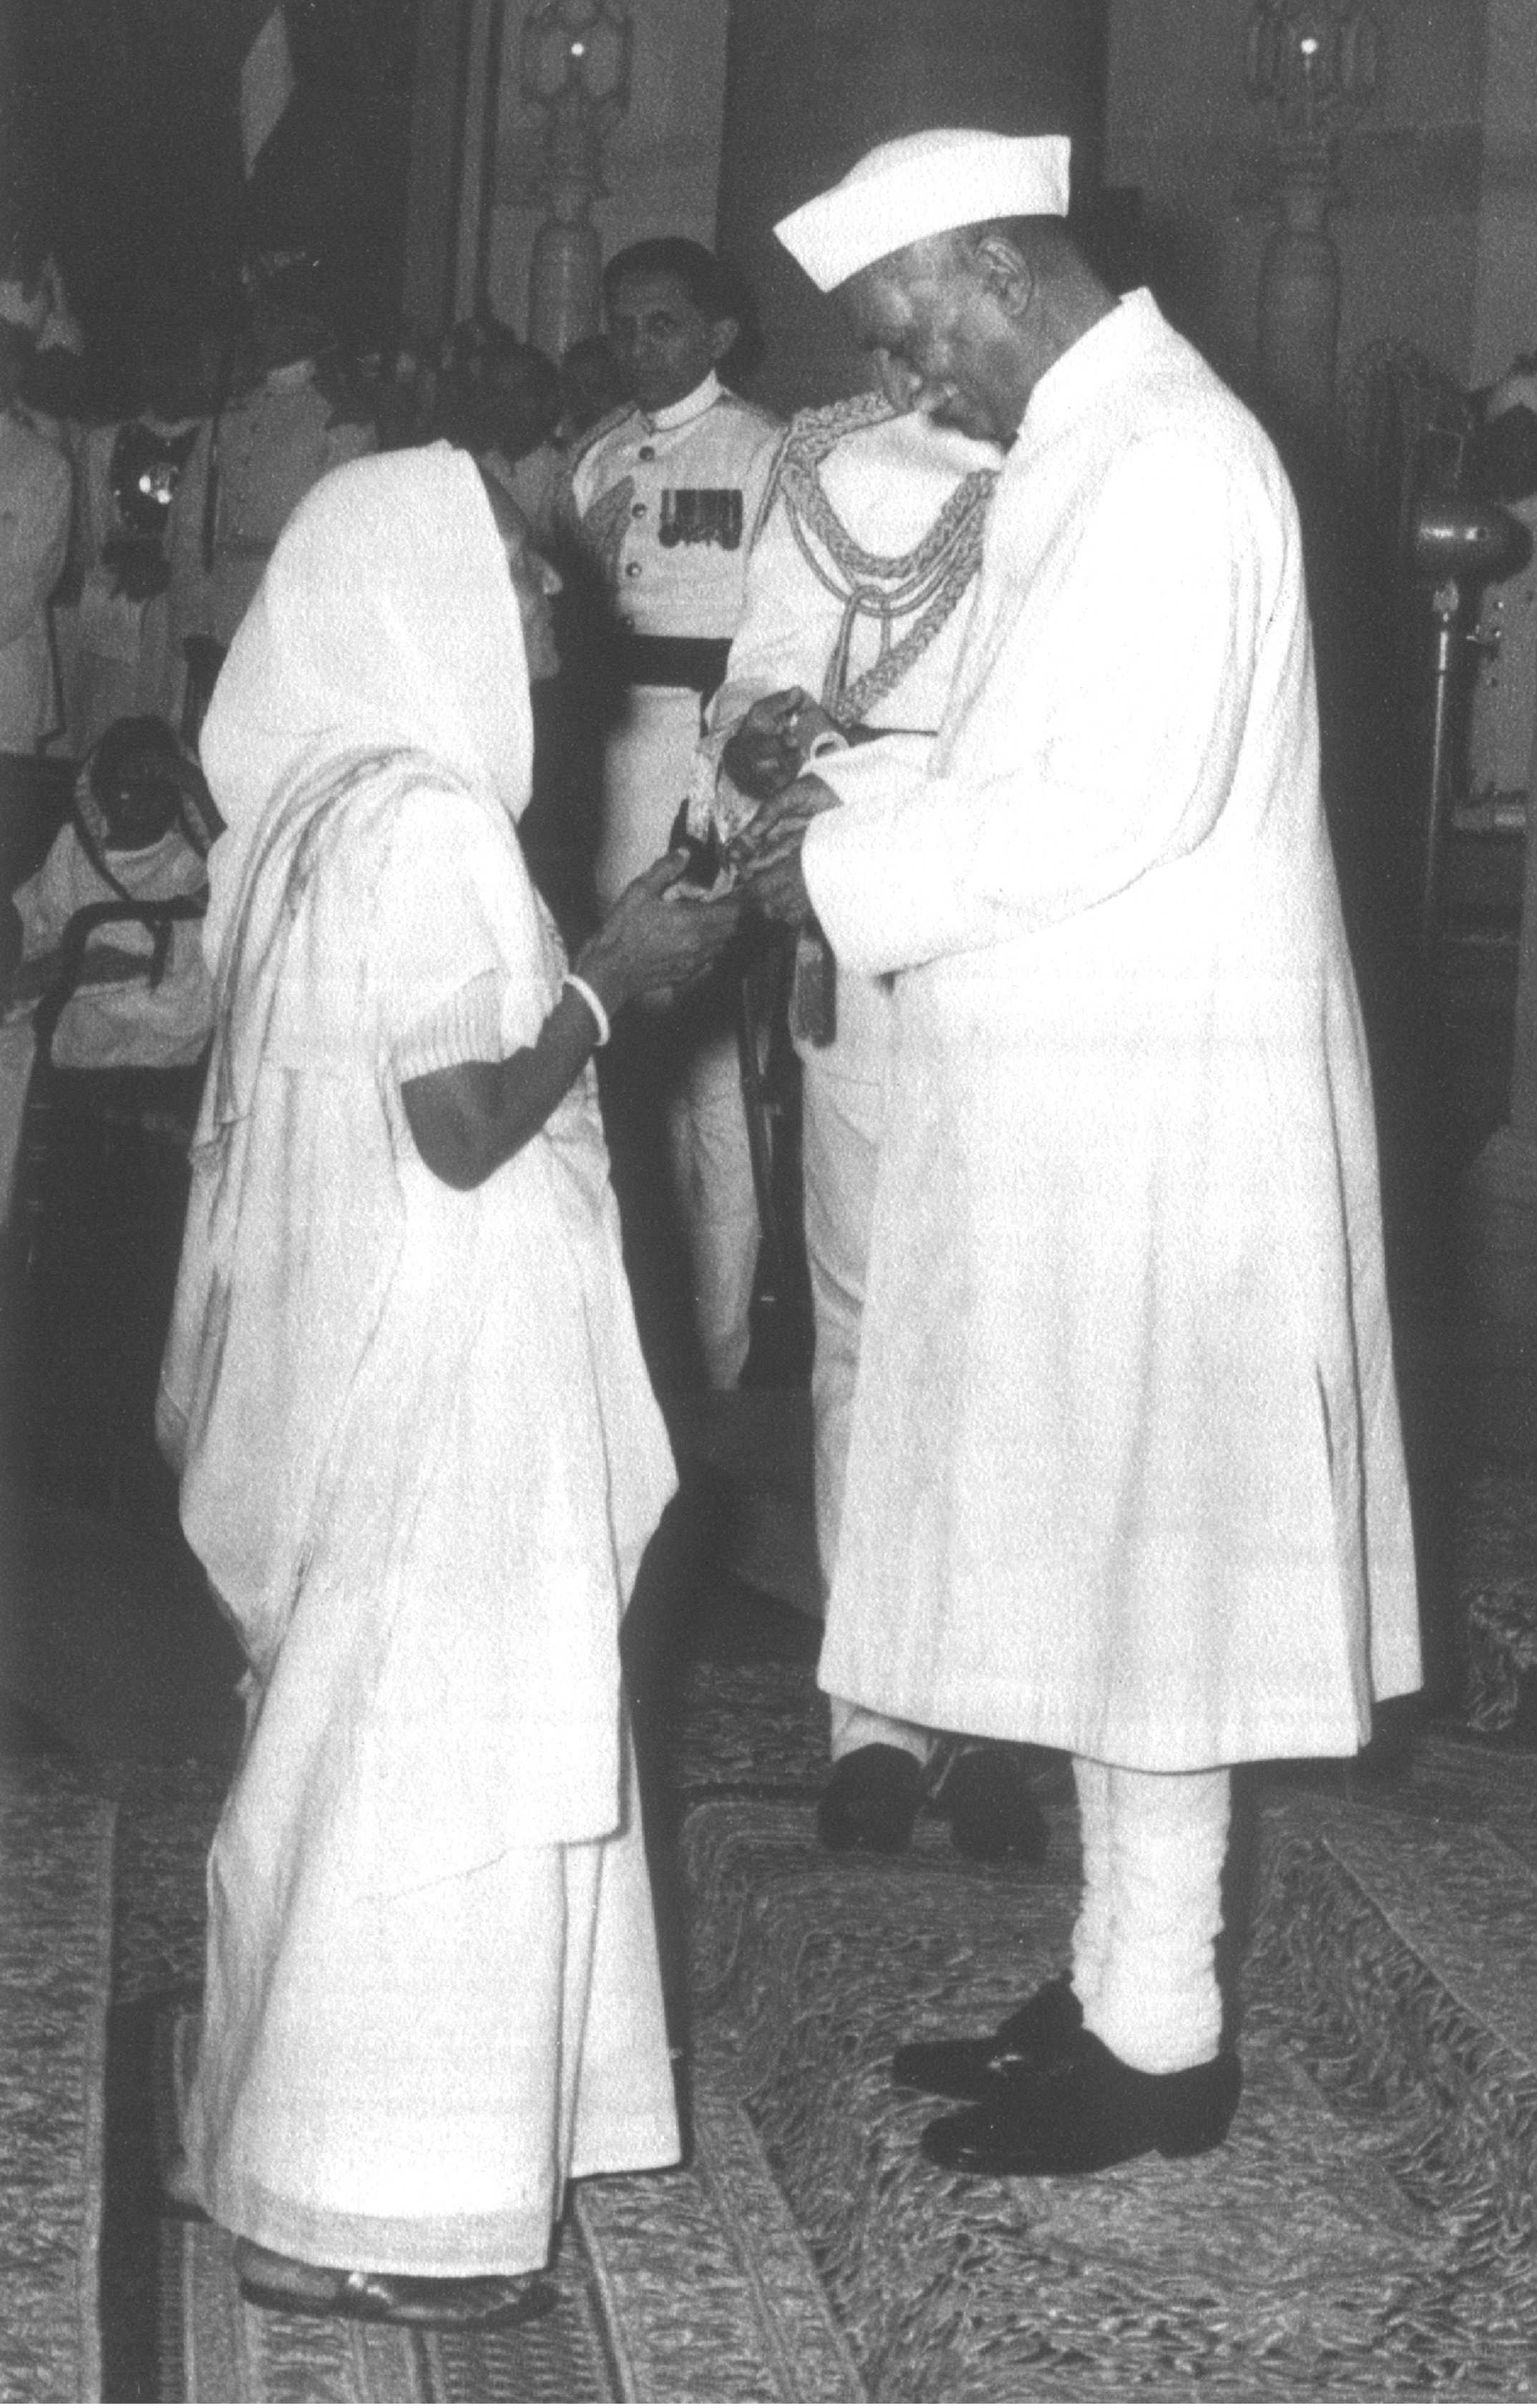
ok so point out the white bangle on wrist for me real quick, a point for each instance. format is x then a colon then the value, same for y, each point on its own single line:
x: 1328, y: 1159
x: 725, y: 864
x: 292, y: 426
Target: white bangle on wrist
x: 593, y: 1001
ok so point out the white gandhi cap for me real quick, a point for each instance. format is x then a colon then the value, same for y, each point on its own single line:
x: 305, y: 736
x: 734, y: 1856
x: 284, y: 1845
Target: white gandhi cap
x: 925, y: 184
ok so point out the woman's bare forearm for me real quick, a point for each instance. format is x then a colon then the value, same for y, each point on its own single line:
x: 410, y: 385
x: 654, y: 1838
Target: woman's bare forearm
x: 468, y: 1119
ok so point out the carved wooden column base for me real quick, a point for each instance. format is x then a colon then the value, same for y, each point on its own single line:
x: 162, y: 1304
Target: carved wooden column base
x: 565, y: 284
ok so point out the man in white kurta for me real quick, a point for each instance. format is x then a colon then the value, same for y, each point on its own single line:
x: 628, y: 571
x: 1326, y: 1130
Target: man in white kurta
x: 859, y: 583
x: 1126, y: 1476
x: 419, y: 1457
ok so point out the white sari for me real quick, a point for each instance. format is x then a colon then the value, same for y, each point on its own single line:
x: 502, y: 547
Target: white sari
x: 419, y: 1457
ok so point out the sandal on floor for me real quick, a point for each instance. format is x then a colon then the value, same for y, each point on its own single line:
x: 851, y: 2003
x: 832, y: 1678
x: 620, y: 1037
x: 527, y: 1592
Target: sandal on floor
x: 269, y: 2279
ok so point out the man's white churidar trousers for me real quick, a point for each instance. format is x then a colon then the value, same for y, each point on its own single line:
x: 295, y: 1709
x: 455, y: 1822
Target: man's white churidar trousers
x: 1143, y: 1962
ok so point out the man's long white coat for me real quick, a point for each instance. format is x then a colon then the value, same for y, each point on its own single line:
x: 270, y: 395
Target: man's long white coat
x: 1126, y: 1475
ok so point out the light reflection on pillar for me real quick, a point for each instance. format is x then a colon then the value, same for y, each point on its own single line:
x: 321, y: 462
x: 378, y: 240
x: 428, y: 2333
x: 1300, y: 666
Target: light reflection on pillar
x: 1312, y: 68
x: 574, y: 67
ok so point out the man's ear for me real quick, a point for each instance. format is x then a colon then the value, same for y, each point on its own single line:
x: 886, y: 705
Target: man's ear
x: 722, y: 333
x: 1004, y: 273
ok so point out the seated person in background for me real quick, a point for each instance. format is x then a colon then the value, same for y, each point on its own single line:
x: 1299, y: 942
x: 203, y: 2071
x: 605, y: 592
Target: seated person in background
x: 141, y: 831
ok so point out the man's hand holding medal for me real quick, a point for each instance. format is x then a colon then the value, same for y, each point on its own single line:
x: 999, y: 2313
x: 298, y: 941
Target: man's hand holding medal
x: 766, y: 760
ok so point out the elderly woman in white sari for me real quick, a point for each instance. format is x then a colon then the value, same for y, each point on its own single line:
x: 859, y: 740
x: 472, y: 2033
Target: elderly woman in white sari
x: 419, y: 1455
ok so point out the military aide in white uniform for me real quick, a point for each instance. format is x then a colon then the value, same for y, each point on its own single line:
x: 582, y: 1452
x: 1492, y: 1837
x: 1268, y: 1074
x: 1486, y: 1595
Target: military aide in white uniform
x: 665, y: 499
x: 858, y: 590
x: 1125, y: 1475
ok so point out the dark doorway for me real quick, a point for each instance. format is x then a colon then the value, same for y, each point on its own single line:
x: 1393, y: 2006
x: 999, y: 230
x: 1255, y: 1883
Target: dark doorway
x: 125, y: 155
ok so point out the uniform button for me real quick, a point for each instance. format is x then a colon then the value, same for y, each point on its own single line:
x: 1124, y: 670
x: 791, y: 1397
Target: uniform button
x: 647, y: 452
x: 632, y: 568
x: 637, y: 510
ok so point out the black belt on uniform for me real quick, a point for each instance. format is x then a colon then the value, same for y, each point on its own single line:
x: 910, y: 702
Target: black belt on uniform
x: 696, y: 661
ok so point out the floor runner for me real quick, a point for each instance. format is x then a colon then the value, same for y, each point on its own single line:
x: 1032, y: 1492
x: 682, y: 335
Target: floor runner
x: 1369, y: 2232
x: 55, y: 1941
x: 689, y: 2286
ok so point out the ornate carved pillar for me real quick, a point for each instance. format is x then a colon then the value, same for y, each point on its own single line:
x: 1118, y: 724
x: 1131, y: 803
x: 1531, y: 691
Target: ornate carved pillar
x: 574, y: 67
x: 1313, y: 68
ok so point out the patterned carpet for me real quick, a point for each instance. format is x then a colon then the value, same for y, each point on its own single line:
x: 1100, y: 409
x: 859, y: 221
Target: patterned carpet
x: 55, y: 1929
x: 690, y: 2285
x: 1495, y: 1575
x: 1368, y: 2233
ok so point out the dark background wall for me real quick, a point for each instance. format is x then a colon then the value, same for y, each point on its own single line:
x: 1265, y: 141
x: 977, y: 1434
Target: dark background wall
x: 122, y: 138
x: 130, y: 164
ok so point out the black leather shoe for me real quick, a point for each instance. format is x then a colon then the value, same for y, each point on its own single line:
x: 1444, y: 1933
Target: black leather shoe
x: 1087, y: 2111
x: 988, y: 1796
x: 1042, y: 2029
x: 872, y: 1801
